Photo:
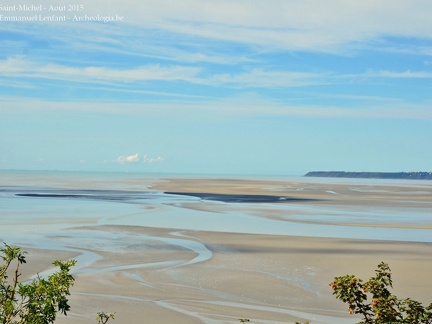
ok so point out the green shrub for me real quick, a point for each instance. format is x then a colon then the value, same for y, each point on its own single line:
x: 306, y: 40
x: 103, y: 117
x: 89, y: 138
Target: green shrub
x: 384, y: 307
x: 38, y: 301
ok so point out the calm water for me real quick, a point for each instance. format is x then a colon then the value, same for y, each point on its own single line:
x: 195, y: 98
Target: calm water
x: 61, y: 211
x: 36, y: 205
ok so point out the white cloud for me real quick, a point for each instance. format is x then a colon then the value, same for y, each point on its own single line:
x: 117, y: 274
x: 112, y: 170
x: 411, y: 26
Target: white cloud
x: 313, y: 25
x: 263, y: 79
x: 147, y: 159
x: 14, y: 65
x: 122, y: 159
x: 20, y: 67
x: 402, y: 75
x: 253, y: 105
x: 331, y: 26
x: 135, y: 158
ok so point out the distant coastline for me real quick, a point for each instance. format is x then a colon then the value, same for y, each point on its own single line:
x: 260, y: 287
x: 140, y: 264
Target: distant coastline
x: 372, y: 175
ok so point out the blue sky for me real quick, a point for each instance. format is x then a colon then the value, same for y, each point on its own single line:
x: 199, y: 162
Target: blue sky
x: 224, y: 87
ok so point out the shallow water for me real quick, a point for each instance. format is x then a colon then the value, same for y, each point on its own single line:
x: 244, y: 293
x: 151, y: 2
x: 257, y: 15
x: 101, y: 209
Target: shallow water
x: 43, y: 205
x: 60, y: 211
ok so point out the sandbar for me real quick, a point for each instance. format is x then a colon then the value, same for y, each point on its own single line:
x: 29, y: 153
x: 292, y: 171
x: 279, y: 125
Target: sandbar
x: 179, y: 275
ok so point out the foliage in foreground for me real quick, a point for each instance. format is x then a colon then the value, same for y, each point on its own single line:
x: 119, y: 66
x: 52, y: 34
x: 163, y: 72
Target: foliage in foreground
x: 103, y: 317
x: 384, y: 308
x: 38, y: 301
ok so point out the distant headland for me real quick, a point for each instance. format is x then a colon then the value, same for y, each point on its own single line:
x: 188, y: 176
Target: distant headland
x: 373, y: 175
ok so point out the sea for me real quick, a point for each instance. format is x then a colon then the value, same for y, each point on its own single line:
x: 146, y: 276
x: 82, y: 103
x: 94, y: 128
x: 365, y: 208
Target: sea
x: 65, y: 211
x: 44, y: 209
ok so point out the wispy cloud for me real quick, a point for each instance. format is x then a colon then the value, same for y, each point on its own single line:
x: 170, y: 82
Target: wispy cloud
x: 20, y: 67
x: 208, y: 28
x: 306, y: 25
x: 401, y: 75
x: 135, y: 158
x: 241, y: 106
x: 263, y: 79
x: 148, y: 159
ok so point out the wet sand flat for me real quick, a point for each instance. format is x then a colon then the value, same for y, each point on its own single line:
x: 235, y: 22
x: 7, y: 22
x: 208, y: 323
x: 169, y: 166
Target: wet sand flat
x: 261, y: 277
x: 204, y: 274
x: 325, y: 191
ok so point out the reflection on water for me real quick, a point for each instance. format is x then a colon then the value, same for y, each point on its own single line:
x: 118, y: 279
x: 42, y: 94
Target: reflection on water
x: 30, y: 212
x: 63, y: 214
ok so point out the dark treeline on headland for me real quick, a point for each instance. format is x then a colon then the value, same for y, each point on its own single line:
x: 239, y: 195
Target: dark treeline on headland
x: 374, y: 175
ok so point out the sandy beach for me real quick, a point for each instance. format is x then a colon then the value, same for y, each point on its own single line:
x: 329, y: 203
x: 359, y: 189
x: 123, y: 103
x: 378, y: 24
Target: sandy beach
x: 268, y: 279
x: 148, y: 274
